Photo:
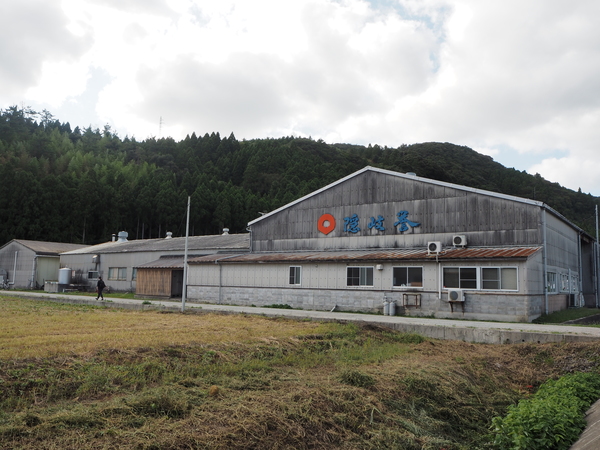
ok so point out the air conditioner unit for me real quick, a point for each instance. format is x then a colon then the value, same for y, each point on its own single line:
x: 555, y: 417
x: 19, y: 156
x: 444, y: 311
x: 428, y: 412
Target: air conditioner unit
x: 456, y: 295
x: 434, y: 247
x: 460, y: 240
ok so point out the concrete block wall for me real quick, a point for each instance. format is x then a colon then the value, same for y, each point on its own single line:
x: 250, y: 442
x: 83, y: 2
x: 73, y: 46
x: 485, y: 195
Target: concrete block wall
x: 477, y: 306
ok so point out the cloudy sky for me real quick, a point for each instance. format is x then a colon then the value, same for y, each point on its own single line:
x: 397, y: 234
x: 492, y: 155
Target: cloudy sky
x: 517, y: 80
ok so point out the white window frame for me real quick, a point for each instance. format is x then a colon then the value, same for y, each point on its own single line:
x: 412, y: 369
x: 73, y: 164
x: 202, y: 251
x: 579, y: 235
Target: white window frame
x: 93, y: 274
x: 499, y: 269
x: 407, y: 286
x: 295, y: 278
x: 552, y: 282
x: 363, y: 277
x: 564, y: 283
x: 117, y: 273
x: 477, y: 277
x: 134, y: 274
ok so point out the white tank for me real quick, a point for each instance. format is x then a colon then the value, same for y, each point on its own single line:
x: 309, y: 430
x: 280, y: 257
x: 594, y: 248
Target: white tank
x: 64, y: 276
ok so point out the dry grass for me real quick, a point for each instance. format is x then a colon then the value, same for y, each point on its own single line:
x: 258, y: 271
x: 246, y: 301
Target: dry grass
x: 146, y: 380
x: 32, y: 329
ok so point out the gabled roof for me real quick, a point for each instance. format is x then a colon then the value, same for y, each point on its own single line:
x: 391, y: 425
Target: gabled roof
x: 239, y: 242
x: 358, y: 256
x: 45, y: 248
x: 423, y: 180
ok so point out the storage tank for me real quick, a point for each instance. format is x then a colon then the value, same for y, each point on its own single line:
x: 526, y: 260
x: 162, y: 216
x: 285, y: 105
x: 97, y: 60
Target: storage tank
x: 64, y: 276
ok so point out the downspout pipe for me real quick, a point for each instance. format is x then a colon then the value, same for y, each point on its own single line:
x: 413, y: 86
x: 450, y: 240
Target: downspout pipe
x: 33, y: 283
x: 580, y: 280
x: 597, y: 260
x: 14, y: 277
x: 545, y: 259
x: 218, y: 262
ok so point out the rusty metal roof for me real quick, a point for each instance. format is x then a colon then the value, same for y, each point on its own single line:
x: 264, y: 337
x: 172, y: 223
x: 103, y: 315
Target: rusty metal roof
x: 372, y: 255
x: 163, y: 263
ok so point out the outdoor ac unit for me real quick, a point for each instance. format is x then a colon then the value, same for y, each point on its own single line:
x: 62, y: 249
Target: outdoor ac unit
x: 456, y: 295
x: 434, y: 247
x: 460, y: 240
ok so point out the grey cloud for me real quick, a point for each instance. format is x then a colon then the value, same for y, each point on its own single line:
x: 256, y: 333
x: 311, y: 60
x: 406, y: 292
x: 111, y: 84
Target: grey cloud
x: 245, y: 95
x: 34, y: 31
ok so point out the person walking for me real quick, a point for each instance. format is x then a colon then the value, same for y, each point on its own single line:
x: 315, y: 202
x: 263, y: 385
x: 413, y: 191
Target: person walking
x: 99, y: 288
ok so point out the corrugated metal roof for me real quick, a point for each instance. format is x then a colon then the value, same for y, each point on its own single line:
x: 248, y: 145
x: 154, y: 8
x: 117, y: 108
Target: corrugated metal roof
x: 163, y: 263
x: 412, y: 177
x: 47, y: 248
x: 372, y: 255
x: 429, y: 181
x: 195, y: 243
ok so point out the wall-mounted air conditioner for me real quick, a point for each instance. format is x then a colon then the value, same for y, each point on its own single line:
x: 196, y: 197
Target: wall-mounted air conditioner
x: 434, y: 247
x: 456, y: 295
x: 460, y: 240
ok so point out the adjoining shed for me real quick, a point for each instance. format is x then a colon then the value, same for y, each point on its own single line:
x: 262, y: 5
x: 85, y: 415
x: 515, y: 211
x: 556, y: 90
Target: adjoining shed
x: 160, y: 279
x: 377, y: 238
x: 123, y: 263
x: 26, y: 264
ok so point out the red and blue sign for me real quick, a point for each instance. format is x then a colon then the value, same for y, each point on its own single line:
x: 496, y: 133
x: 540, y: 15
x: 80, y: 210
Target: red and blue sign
x: 326, y: 223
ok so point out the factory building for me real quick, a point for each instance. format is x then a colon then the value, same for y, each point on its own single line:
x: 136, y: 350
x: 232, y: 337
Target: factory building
x: 428, y: 248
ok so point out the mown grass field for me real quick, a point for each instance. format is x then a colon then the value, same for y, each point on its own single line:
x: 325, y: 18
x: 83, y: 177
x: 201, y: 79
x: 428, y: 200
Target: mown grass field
x: 88, y: 377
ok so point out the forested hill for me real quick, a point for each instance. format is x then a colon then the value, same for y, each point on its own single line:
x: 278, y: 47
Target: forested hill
x: 83, y: 185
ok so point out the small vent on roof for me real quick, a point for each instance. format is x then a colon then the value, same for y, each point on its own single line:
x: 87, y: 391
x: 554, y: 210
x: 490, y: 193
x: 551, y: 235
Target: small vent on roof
x: 123, y: 236
x: 412, y: 174
x: 169, y: 235
x: 225, y: 231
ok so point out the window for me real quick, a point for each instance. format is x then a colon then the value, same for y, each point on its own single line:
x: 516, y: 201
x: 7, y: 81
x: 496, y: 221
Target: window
x: 408, y: 276
x: 502, y: 278
x: 134, y: 274
x: 460, y: 277
x: 359, y: 276
x: 295, y: 275
x: 93, y: 275
x: 574, y: 283
x: 117, y: 273
x: 564, y: 282
x: 551, y: 282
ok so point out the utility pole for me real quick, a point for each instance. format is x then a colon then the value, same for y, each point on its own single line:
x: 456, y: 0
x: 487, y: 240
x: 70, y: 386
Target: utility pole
x: 597, y: 260
x: 185, y: 258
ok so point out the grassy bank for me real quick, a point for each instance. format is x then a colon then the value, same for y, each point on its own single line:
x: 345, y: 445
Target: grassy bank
x: 75, y: 376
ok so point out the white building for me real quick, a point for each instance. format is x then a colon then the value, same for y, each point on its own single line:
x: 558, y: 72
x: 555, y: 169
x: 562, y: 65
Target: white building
x: 117, y: 261
x: 433, y: 248
x: 26, y: 264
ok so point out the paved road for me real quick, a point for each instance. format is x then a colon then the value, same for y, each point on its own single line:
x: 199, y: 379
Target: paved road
x: 472, y: 331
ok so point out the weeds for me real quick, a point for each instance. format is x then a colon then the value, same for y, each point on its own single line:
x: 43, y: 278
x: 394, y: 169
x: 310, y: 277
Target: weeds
x: 251, y: 382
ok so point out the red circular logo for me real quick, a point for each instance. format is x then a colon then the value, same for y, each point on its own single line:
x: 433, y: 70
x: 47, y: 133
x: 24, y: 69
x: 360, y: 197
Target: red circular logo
x: 326, y: 223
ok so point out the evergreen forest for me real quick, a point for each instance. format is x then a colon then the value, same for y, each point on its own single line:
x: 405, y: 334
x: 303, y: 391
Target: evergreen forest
x: 64, y: 184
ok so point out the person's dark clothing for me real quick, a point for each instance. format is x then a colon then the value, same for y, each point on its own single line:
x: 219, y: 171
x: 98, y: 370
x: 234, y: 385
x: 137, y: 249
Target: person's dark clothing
x: 100, y: 287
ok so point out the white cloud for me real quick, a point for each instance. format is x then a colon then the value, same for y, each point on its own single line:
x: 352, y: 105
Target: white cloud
x: 574, y: 173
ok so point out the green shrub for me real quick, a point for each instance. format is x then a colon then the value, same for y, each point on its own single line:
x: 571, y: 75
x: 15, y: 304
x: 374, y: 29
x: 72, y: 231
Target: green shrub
x: 552, y: 419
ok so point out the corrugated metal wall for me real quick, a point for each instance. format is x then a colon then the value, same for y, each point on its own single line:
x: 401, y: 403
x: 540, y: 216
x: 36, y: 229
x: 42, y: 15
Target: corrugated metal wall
x: 441, y: 212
